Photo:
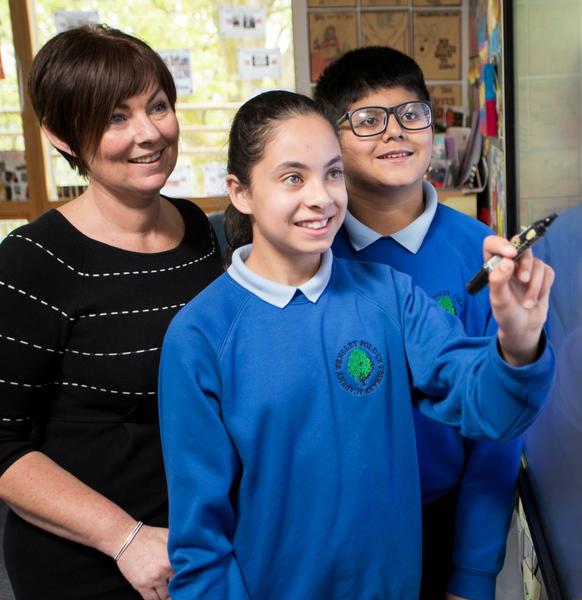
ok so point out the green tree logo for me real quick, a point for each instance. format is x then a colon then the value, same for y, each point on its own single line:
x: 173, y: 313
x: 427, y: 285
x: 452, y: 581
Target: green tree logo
x: 446, y: 303
x: 359, y: 365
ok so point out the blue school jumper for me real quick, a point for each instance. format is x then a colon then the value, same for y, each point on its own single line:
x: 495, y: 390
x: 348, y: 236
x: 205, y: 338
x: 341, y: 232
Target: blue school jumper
x: 441, y: 250
x: 288, y: 435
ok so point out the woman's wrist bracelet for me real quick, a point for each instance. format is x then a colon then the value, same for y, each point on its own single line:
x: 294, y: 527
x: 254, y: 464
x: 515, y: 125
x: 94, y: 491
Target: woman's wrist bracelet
x: 128, y: 540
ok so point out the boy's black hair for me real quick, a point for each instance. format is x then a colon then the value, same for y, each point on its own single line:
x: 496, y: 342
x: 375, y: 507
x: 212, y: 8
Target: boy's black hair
x: 363, y: 71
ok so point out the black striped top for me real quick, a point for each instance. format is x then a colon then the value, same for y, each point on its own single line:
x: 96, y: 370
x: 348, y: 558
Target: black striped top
x: 81, y: 327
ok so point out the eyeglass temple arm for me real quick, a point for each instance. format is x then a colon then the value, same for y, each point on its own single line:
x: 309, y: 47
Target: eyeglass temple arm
x: 343, y: 118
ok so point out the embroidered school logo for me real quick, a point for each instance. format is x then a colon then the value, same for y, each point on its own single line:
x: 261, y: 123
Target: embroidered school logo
x: 359, y: 368
x: 450, y: 302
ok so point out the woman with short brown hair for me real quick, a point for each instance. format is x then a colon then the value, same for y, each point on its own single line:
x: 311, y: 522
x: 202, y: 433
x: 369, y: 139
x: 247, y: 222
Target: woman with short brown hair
x: 87, y: 291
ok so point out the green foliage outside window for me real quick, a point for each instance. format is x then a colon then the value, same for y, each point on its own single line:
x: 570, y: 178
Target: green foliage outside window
x: 179, y: 25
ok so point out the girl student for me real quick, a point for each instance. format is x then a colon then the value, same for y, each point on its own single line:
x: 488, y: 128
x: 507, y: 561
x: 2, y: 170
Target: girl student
x: 286, y: 387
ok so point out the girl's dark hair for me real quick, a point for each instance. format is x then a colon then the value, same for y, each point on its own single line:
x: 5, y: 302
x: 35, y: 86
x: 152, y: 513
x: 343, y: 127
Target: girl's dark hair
x: 252, y: 128
x: 79, y: 77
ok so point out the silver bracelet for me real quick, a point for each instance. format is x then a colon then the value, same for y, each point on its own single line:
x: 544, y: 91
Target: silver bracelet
x: 128, y: 540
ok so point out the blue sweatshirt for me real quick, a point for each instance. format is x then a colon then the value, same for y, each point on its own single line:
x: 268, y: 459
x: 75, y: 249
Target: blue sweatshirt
x: 441, y: 251
x: 288, y: 435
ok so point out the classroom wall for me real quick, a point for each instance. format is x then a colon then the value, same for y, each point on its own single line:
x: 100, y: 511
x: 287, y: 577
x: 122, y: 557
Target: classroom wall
x: 548, y: 41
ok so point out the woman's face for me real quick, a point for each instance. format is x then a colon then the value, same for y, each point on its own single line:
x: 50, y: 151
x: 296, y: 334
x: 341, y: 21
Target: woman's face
x: 139, y: 147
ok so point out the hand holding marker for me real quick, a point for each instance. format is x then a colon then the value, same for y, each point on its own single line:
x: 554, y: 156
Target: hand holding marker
x: 522, y: 241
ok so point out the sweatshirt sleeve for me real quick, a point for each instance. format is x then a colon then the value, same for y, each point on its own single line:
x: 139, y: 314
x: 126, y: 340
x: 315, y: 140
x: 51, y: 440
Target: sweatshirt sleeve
x: 483, y: 515
x: 486, y: 496
x: 202, y: 468
x: 464, y: 382
x: 35, y: 294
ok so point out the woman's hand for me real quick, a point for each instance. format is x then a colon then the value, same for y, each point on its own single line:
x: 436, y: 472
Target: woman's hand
x: 519, y: 299
x: 145, y: 563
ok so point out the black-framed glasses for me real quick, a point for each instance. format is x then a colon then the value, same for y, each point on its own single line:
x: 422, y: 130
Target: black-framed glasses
x: 372, y: 120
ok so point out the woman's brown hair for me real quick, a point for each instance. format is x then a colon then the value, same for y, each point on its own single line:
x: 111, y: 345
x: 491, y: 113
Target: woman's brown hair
x: 80, y: 76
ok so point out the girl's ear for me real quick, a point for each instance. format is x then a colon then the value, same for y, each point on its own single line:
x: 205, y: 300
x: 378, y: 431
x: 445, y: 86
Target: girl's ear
x: 239, y: 194
x: 57, y: 142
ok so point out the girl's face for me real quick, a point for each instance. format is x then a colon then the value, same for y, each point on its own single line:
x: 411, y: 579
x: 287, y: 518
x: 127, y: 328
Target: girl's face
x: 297, y: 198
x: 139, y: 147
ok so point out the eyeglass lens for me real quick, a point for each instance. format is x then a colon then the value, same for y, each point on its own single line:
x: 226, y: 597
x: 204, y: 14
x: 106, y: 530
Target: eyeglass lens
x: 372, y: 120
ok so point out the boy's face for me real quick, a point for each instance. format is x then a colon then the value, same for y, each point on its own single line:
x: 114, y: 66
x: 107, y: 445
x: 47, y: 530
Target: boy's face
x: 398, y: 157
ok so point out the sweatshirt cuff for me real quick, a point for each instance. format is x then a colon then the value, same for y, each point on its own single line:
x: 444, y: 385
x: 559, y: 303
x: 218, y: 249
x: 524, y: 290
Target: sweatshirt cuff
x: 473, y: 585
x: 537, y: 376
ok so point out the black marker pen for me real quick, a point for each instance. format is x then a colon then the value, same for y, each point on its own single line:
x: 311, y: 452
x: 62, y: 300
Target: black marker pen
x: 522, y: 241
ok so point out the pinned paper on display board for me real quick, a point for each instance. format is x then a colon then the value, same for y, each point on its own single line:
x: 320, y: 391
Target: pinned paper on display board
x: 13, y: 176
x: 214, y: 179
x: 488, y: 101
x: 494, y: 27
x: 180, y: 183
x: 178, y: 63
x: 389, y: 28
x: 69, y: 19
x: 242, y: 21
x: 331, y: 34
x: 437, y: 43
x: 256, y: 63
x: 481, y: 31
x: 442, y: 96
x: 497, y: 189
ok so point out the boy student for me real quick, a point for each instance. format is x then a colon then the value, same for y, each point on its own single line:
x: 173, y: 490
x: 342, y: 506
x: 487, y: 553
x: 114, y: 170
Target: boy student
x: 381, y: 106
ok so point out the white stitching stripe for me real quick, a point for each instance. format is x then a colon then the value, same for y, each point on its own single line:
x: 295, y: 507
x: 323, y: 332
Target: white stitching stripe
x: 79, y: 352
x: 117, y: 273
x: 132, y: 312
x: 103, y: 314
x: 76, y: 385
x: 17, y: 420
x: 43, y: 302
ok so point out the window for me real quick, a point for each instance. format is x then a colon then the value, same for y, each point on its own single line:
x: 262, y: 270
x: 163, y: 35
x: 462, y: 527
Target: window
x: 234, y: 52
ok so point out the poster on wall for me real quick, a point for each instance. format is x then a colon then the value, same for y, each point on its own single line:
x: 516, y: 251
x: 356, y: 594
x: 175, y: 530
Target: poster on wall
x: 494, y: 27
x: 330, y: 35
x: 242, y: 21
x: 178, y: 62
x: 497, y: 189
x: 385, y: 29
x: 13, y: 177
x: 319, y: 3
x: 214, y: 179
x: 69, y: 19
x: 180, y: 182
x: 437, y: 43
x: 256, y: 63
x: 443, y: 95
